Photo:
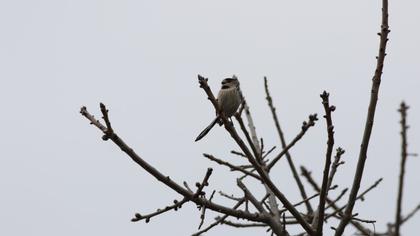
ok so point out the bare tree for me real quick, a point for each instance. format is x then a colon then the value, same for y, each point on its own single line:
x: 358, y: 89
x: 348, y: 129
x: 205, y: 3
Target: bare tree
x: 265, y: 212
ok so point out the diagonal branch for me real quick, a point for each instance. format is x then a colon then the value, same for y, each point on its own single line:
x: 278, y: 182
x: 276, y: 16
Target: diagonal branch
x: 338, y: 198
x: 283, y: 143
x: 166, y: 179
x: 175, y: 206
x: 376, y: 81
x: 411, y: 214
x: 305, y: 126
x: 268, y: 152
x: 307, y: 199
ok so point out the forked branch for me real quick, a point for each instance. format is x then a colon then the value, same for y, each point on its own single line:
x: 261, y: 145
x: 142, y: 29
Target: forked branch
x: 191, y: 196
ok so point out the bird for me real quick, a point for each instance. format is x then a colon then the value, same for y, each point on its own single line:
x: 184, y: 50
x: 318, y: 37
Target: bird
x: 229, y: 99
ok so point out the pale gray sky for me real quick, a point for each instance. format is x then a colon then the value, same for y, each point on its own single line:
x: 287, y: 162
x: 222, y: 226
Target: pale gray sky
x: 141, y: 58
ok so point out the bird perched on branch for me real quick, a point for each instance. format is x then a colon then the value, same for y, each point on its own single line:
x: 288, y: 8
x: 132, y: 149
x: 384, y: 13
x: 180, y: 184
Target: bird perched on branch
x: 228, y: 99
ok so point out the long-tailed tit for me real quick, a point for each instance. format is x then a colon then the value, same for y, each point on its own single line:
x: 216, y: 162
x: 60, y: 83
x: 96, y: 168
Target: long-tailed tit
x: 228, y: 99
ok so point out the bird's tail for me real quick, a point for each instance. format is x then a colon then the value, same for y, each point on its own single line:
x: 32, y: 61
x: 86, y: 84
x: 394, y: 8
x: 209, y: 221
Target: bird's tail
x: 207, y: 129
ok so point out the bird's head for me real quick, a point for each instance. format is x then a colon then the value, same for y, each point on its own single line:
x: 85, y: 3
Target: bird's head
x: 230, y: 82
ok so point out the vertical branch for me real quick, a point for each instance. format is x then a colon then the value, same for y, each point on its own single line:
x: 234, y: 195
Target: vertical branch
x: 319, y: 219
x: 283, y: 143
x: 403, y: 110
x: 376, y: 81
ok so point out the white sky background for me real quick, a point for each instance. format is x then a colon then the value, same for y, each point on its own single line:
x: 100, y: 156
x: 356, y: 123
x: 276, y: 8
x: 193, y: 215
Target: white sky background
x: 141, y: 58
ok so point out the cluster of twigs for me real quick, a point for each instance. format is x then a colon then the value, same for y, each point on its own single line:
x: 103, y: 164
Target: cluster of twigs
x: 265, y: 212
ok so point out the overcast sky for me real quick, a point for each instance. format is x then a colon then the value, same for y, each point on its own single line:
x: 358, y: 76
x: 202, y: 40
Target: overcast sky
x: 141, y: 58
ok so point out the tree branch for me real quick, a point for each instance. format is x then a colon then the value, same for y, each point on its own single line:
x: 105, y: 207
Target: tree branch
x: 411, y: 214
x: 175, y: 206
x: 203, y: 211
x: 219, y: 219
x: 376, y: 81
x: 229, y: 127
x: 283, y: 143
x: 335, y: 165
x: 166, y: 179
x: 232, y: 167
x: 305, y: 126
x: 305, y: 200
x: 319, y: 219
x: 276, y: 226
x: 240, y: 225
x: 403, y: 111
x: 336, y: 208
x: 249, y: 196
x: 338, y: 198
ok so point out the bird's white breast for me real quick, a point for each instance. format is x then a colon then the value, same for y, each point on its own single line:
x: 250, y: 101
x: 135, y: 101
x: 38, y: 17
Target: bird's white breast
x: 229, y: 100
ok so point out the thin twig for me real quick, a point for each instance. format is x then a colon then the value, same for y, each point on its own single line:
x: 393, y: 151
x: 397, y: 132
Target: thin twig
x: 238, y: 153
x: 265, y: 198
x: 92, y: 119
x: 175, y: 206
x: 240, y: 225
x: 364, y: 221
x: 411, y: 214
x: 403, y: 111
x: 232, y: 167
x: 338, y: 198
x: 376, y: 81
x: 307, y: 199
x: 231, y: 197
x: 268, y: 152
